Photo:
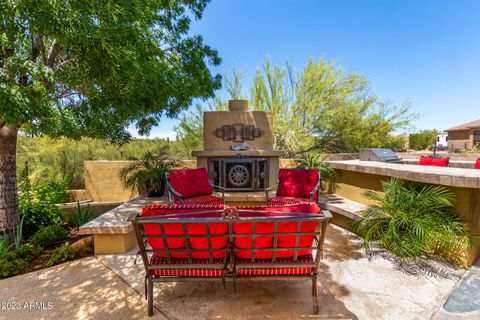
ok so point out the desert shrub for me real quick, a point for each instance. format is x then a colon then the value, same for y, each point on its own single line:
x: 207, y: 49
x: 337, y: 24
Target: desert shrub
x: 51, y: 192
x: 61, y: 254
x: 36, y: 215
x: 81, y: 216
x: 11, y: 265
x: 28, y: 251
x: 47, y: 235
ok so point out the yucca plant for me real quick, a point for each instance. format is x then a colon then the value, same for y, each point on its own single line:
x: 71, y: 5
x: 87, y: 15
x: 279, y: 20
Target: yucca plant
x: 412, y: 221
x: 328, y: 175
x: 149, y: 170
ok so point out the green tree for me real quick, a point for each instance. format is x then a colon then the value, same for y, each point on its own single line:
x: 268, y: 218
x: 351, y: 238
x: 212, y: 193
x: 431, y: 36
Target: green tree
x: 423, y: 139
x: 320, y: 107
x: 92, y: 68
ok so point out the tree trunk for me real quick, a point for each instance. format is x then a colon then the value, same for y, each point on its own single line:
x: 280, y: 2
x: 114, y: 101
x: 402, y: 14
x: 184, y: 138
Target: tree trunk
x: 9, y: 215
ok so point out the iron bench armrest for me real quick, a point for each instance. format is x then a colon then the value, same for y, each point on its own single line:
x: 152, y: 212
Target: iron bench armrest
x: 222, y: 189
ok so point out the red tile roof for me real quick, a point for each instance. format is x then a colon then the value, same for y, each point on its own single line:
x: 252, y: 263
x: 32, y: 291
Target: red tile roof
x: 466, y: 126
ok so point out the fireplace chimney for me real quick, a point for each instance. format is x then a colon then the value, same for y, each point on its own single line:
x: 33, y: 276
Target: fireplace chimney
x: 238, y: 105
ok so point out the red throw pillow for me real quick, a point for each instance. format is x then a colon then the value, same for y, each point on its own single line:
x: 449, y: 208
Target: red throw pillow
x: 268, y: 227
x: 477, y: 164
x: 440, y: 162
x: 192, y: 229
x: 296, y: 182
x: 191, y: 182
x: 424, y: 161
x: 436, y: 162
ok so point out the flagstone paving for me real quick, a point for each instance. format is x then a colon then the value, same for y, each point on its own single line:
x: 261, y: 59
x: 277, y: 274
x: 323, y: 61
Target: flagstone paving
x: 351, y: 286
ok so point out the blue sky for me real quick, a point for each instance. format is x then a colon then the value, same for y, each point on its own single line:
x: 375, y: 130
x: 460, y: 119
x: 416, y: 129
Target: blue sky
x: 424, y: 52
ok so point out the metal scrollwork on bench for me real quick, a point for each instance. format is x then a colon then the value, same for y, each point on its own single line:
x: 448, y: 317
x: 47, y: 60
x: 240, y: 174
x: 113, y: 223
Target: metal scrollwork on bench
x: 238, y: 132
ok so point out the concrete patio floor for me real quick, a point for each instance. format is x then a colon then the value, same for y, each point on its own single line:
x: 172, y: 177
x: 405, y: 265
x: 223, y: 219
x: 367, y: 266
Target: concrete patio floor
x: 351, y: 286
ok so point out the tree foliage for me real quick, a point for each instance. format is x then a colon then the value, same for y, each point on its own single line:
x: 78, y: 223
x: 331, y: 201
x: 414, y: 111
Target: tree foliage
x: 92, y: 68
x: 423, y: 139
x: 320, y: 107
x: 45, y: 159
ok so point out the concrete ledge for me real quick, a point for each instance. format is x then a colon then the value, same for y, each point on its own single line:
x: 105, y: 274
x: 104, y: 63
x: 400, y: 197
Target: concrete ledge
x: 349, y: 209
x: 453, y: 177
x: 115, y: 221
x: 451, y: 164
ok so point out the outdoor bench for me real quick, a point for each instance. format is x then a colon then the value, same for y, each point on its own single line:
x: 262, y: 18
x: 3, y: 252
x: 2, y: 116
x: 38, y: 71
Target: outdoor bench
x: 216, y: 242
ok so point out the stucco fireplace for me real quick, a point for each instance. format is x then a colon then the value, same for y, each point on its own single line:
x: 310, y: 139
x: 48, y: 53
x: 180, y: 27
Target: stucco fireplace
x: 238, y: 148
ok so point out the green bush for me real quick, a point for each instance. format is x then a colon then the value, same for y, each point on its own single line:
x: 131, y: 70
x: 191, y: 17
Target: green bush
x: 36, y: 215
x: 61, y: 254
x: 28, y: 252
x: 51, y: 192
x: 413, y: 221
x: 4, y: 245
x: 11, y: 265
x: 47, y: 235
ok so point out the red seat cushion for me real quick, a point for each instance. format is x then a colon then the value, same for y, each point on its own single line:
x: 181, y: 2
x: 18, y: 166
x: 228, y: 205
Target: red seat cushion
x: 268, y: 227
x: 281, y: 201
x: 192, y: 229
x: 296, y: 183
x: 209, y: 200
x: 436, y: 162
x: 156, y: 260
x: 477, y: 164
x: 191, y: 182
x: 293, y: 270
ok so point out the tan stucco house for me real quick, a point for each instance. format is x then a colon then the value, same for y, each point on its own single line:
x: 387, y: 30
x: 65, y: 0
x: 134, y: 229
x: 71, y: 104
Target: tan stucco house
x: 465, y: 136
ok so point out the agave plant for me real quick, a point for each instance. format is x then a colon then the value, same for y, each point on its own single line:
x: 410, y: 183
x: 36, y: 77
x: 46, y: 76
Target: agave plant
x: 150, y: 171
x: 328, y: 174
x: 412, y: 221
x: 81, y: 216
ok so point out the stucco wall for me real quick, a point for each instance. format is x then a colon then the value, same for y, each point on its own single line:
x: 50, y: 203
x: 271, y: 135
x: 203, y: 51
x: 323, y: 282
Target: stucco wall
x: 460, y: 139
x: 102, y: 182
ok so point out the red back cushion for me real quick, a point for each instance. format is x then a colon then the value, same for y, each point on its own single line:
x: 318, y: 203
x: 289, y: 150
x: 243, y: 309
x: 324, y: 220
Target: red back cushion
x: 477, y: 164
x: 269, y: 227
x: 191, y: 182
x: 436, y: 162
x: 424, y: 161
x: 296, y: 183
x: 440, y: 162
x: 192, y: 229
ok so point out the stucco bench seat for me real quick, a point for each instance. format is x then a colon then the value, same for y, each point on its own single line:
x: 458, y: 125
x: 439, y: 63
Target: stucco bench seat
x: 217, y: 242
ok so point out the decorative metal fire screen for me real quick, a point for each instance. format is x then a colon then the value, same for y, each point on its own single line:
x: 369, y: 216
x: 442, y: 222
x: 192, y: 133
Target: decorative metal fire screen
x: 239, y: 173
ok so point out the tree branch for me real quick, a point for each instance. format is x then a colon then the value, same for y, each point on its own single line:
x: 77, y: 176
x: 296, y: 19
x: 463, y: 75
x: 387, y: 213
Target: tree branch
x: 63, y: 63
x: 53, y: 53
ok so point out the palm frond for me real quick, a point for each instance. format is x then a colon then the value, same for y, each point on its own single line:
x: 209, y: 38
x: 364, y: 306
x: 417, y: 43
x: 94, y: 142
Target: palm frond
x: 413, y: 221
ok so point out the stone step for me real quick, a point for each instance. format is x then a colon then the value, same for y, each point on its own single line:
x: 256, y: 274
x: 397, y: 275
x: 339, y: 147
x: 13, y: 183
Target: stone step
x: 349, y: 209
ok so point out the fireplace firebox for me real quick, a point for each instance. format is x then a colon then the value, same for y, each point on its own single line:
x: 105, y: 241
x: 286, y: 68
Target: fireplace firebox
x: 239, y: 173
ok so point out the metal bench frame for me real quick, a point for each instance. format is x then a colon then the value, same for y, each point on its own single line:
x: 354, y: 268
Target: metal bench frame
x: 229, y: 217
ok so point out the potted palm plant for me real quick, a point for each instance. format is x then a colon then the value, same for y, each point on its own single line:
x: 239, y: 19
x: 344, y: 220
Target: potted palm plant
x: 328, y: 175
x: 149, y: 171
